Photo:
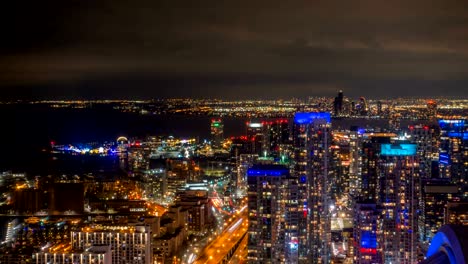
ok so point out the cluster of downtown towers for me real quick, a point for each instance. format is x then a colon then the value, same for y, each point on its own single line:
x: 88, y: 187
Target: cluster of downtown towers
x: 397, y: 183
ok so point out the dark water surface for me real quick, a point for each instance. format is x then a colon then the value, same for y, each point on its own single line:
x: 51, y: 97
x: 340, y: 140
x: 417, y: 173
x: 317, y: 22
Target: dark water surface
x: 27, y: 130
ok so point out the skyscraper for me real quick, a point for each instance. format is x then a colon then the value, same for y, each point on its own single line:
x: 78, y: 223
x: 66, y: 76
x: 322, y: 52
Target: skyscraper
x: 426, y: 138
x: 269, y: 222
x: 370, y: 153
x: 277, y: 137
x: 453, y: 155
x: 398, y: 185
x: 312, y: 140
x: 217, y: 132
x: 256, y: 135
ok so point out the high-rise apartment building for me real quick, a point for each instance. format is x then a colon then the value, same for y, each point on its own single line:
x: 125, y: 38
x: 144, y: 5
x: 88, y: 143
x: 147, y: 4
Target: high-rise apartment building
x: 369, y: 157
x: 269, y: 220
x: 312, y: 156
x: 398, y: 187
x: 453, y: 157
x: 426, y: 138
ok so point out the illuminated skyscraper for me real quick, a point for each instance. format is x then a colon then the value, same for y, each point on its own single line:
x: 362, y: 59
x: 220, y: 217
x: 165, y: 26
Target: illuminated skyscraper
x: 426, y: 138
x: 355, y: 161
x: 269, y: 220
x: 277, y: 137
x: 453, y: 158
x: 312, y: 140
x: 398, y: 186
x: 217, y: 132
x: 370, y: 153
x: 268, y: 138
x: 256, y: 136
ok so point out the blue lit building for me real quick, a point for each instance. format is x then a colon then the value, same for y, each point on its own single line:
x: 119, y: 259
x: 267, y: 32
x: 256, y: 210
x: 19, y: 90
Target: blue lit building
x: 453, y: 158
x: 311, y: 169
x: 268, y: 198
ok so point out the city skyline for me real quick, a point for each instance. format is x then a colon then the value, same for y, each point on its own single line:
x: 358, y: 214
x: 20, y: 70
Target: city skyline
x: 241, y: 132
x: 246, y: 49
x: 187, y: 181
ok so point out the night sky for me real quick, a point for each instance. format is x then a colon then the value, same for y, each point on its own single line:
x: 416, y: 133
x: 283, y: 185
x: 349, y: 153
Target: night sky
x: 232, y: 49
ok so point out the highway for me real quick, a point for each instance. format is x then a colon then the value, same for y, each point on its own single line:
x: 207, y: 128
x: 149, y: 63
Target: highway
x: 221, y: 246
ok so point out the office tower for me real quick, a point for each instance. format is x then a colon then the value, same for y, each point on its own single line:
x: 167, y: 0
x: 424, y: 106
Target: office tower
x: 312, y: 140
x: 217, y: 132
x: 270, y: 226
x: 366, y: 218
x: 398, y: 187
x: 256, y: 135
x: 454, y: 150
x: 277, y: 137
x: 129, y: 244
x: 338, y: 104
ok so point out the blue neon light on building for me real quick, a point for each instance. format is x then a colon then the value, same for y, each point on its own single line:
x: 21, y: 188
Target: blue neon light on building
x: 443, y: 123
x: 458, y: 135
x: 398, y: 149
x: 368, y: 239
x: 309, y: 117
x: 271, y: 170
x: 444, y: 158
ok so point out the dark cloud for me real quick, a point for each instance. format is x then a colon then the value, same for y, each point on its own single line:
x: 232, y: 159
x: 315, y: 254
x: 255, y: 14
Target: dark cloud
x: 233, y: 49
